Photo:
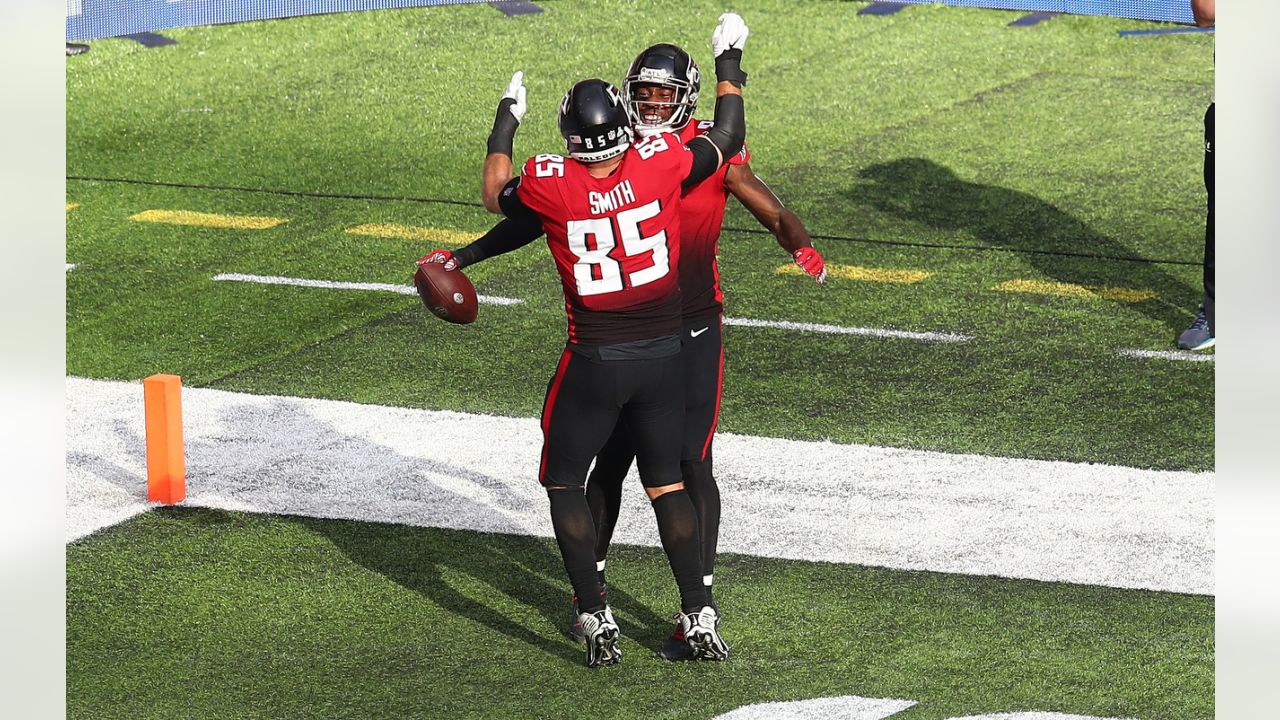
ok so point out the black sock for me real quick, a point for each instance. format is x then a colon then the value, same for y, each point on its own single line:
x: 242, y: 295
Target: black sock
x: 705, y: 495
x: 576, y: 536
x: 678, y: 528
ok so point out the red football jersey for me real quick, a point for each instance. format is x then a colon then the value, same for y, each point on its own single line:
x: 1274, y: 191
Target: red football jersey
x: 615, y: 240
x: 701, y: 215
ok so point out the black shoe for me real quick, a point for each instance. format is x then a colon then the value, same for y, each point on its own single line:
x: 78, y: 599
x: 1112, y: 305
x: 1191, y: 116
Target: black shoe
x: 76, y: 49
x: 674, y: 648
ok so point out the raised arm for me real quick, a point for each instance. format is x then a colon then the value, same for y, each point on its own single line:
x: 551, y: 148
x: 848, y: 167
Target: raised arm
x: 730, y: 131
x: 498, y: 166
x: 786, y: 227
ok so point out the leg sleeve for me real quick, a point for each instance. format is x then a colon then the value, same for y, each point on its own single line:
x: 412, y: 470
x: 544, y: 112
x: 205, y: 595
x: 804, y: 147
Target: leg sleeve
x: 604, y: 486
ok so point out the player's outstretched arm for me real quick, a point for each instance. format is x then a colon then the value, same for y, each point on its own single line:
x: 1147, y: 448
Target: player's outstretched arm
x: 730, y: 131
x: 508, y: 235
x: 786, y: 227
x: 498, y: 166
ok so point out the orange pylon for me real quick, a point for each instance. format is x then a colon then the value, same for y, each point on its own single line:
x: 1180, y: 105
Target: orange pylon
x: 166, y: 464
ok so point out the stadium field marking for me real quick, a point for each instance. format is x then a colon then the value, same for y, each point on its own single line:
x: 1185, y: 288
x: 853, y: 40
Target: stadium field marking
x: 854, y: 272
x: 1184, y: 355
x: 842, y: 330
x: 72, y: 206
x: 410, y: 232
x: 1042, y: 287
x: 71, y: 266
x: 188, y: 217
x: 335, y: 285
x: 818, y: 501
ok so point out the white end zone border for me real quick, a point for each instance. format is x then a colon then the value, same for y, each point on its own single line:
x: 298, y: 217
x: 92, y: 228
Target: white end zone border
x: 852, y: 707
x: 905, y: 509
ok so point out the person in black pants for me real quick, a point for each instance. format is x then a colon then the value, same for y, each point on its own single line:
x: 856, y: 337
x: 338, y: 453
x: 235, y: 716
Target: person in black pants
x: 1200, y: 334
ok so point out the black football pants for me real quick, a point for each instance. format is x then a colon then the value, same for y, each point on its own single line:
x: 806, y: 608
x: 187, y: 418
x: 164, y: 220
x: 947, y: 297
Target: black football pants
x: 1209, y: 305
x: 703, y: 360
x: 586, y: 398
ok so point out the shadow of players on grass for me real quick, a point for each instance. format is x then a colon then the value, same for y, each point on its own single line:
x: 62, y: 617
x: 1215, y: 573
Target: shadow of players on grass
x: 396, y: 514
x: 455, y: 569
x: 925, y: 192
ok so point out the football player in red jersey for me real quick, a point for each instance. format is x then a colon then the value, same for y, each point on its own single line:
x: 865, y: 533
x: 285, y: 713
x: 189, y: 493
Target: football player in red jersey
x: 611, y: 216
x: 661, y: 88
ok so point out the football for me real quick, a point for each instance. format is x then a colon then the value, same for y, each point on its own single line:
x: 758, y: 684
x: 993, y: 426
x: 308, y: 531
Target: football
x: 448, y: 294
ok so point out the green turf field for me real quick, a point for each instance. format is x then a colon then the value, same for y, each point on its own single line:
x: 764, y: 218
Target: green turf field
x: 324, y: 619
x: 936, y: 140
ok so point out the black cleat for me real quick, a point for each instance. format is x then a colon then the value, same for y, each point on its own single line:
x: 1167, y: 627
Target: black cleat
x: 674, y: 648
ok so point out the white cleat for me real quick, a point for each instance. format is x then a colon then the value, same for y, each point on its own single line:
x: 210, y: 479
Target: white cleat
x: 702, y: 632
x: 601, y: 634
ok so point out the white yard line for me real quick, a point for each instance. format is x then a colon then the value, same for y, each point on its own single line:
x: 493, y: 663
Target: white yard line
x: 842, y: 330
x: 1185, y: 355
x: 335, y: 285
x: 909, y: 509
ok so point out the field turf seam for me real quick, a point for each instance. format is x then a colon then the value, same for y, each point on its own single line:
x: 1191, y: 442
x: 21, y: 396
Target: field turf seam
x: 266, y: 360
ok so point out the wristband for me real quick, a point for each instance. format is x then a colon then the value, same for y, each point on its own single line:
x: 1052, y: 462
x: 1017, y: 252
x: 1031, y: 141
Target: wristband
x: 503, y: 135
x: 728, y: 69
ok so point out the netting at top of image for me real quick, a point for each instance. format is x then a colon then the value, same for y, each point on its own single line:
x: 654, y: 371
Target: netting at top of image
x: 89, y: 19
x: 1163, y: 10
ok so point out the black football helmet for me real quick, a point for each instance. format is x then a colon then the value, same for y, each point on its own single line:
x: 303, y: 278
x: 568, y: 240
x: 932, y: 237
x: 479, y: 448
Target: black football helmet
x: 594, y: 121
x: 663, y: 64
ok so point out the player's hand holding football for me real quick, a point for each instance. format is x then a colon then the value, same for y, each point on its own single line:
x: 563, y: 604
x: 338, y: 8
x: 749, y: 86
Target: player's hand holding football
x: 730, y: 34
x: 810, y: 261
x: 442, y: 257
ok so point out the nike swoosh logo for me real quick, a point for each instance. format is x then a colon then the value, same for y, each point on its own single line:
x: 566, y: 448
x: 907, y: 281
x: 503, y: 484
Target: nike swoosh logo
x: 696, y: 333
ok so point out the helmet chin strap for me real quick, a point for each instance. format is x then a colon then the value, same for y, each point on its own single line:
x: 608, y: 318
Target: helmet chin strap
x: 650, y: 130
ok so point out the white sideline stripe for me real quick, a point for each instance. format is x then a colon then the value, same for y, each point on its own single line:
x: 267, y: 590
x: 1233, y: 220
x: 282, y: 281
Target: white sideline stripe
x: 841, y: 330
x: 845, y: 707
x: 71, y: 266
x: 1186, y: 355
x: 821, y: 501
x: 335, y: 285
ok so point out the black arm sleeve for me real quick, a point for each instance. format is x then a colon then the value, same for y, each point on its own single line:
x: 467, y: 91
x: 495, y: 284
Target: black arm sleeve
x: 728, y: 134
x: 503, y: 135
x: 506, y: 236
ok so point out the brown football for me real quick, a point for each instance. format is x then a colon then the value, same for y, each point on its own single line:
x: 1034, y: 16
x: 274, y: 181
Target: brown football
x: 448, y: 294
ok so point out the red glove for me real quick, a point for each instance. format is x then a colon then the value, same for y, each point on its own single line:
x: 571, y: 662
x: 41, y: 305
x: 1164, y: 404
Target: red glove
x: 810, y: 260
x: 444, y: 257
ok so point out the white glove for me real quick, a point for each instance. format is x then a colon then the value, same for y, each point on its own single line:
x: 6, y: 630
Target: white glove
x: 515, y: 91
x: 731, y: 33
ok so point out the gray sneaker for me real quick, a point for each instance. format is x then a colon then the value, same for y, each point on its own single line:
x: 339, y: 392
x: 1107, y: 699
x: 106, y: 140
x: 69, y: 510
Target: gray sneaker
x: 1197, y: 336
x: 602, y: 638
x: 702, y: 633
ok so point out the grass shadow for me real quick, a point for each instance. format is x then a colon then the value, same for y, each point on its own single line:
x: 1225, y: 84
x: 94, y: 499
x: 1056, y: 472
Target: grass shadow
x: 924, y: 192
